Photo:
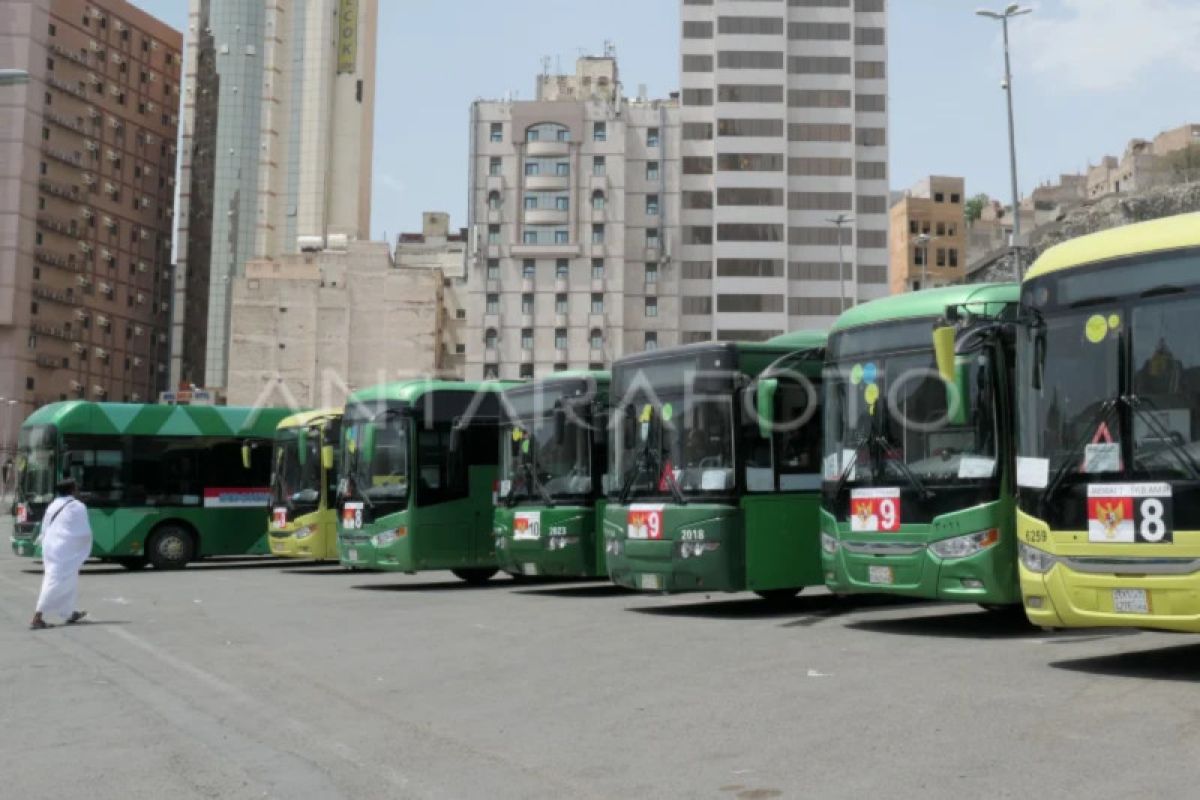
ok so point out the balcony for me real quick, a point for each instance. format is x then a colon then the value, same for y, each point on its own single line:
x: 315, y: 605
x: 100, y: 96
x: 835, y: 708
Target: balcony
x: 69, y: 55
x: 54, y: 296
x: 651, y: 289
x: 567, y: 250
x: 547, y: 216
x: 547, y: 148
x: 60, y: 190
x: 560, y: 320
x: 48, y: 362
x: 491, y: 355
x: 56, y: 261
x: 492, y: 286
x: 526, y: 320
x: 598, y: 182
x: 495, y: 183
x: 63, y: 227
x: 491, y: 321
x: 72, y: 159
x: 652, y: 252
x: 528, y: 285
x: 53, y: 331
x: 495, y: 216
x: 63, y: 86
x: 597, y: 285
x: 561, y: 286
x: 63, y: 122
x: 596, y: 320
x: 547, y: 183
x: 560, y: 355
x: 597, y: 355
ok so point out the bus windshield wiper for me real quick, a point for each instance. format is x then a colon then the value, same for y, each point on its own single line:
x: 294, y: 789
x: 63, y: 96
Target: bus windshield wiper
x: 1138, y: 406
x: 851, y: 463
x: 1077, y: 450
x: 887, y: 446
x: 536, y: 482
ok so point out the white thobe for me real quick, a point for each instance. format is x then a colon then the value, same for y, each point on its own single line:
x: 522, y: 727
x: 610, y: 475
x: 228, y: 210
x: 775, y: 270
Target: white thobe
x: 66, y: 544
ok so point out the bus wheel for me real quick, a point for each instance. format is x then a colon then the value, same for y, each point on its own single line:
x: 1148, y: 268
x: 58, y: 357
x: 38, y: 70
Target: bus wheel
x: 171, y: 547
x: 475, y: 577
x: 776, y: 596
x: 132, y: 564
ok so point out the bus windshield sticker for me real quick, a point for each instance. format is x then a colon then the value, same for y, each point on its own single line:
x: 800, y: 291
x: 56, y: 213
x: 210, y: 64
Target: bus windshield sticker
x: 976, y: 467
x: 1101, y: 457
x: 1033, y: 473
x: 527, y: 525
x: 279, y: 517
x: 352, y: 516
x: 644, y: 522
x: 875, y: 510
x: 237, y: 498
x: 1130, y: 513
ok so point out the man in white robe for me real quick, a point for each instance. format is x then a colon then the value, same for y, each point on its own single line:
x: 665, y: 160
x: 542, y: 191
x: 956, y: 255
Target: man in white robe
x: 66, y: 540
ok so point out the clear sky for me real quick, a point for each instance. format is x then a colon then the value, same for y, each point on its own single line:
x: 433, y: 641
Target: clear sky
x: 1089, y: 75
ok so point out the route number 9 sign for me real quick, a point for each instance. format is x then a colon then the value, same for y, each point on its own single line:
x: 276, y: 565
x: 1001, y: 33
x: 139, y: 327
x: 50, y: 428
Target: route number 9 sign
x: 875, y: 510
x: 1130, y: 512
x: 644, y: 522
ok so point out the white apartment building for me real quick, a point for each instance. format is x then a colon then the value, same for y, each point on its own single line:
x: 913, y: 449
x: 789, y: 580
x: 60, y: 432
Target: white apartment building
x: 574, y: 223
x: 784, y: 128
x: 278, y: 115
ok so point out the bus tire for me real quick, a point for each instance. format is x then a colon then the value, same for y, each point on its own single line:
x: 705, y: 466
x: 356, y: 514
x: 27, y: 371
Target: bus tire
x: 475, y: 577
x: 133, y: 563
x: 171, y: 547
x: 776, y: 596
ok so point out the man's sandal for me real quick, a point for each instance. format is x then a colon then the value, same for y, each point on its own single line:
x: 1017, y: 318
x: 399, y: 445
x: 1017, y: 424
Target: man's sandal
x: 77, y: 617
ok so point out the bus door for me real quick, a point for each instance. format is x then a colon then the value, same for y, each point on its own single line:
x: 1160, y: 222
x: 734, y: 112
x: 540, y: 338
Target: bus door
x: 97, y: 464
x: 442, y: 487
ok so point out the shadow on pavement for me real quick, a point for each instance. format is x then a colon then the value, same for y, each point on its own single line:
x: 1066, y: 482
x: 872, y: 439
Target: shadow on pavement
x: 585, y: 591
x: 440, y: 586
x: 1177, y: 663
x: 812, y: 608
x: 963, y: 625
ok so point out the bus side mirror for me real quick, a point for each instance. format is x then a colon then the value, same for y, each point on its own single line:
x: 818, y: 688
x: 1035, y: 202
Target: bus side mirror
x: 302, y: 446
x: 560, y: 425
x: 327, y: 458
x: 767, y: 387
x: 246, y: 456
x: 367, y: 447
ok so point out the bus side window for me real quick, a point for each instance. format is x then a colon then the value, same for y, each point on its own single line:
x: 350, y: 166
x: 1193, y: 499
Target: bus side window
x: 438, y: 479
x: 798, y: 446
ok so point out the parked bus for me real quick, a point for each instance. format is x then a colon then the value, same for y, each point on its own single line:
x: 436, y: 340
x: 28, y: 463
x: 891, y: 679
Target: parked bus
x: 553, y: 456
x: 918, y: 491
x: 1109, y: 449
x: 164, y: 484
x: 714, y: 468
x: 417, y: 478
x: 303, y: 520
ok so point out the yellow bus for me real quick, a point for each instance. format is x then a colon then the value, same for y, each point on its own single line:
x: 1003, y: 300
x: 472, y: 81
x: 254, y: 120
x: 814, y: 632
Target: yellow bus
x: 1108, y: 463
x: 303, y: 519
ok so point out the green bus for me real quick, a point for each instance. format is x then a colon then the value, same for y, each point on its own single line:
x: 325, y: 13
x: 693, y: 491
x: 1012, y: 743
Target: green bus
x: 164, y: 485
x: 714, y: 467
x: 553, y: 455
x: 919, y: 488
x: 418, y: 478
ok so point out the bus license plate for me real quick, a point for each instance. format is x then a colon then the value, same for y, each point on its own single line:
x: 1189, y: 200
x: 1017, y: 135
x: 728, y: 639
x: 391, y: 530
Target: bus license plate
x: 352, y: 555
x: 1131, y: 601
x: 880, y: 576
x: 529, y: 569
x: 650, y: 582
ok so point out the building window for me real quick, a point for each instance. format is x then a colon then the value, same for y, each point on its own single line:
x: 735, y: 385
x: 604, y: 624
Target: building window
x: 919, y: 256
x: 530, y: 237
x: 941, y: 256
x: 938, y: 197
x: 460, y: 349
x: 651, y: 170
x: 526, y: 372
x: 527, y: 304
x: 562, y: 203
x: 491, y: 372
x: 562, y: 237
x: 562, y: 269
x: 532, y: 168
x: 560, y: 304
x: 560, y: 338
x: 598, y: 233
x: 651, y: 306
x: 597, y: 269
x: 597, y: 304
x: 528, y: 269
x: 460, y: 313
x: 526, y: 338
x: 53, y: 30
x: 651, y: 341
x: 489, y: 339
x: 652, y: 239
x: 652, y: 137
x: 493, y: 304
x: 955, y: 198
x: 953, y: 257
x: 599, y: 166
x: 530, y: 202
x: 493, y: 234
x: 651, y: 273
x: 562, y: 169
x: 597, y: 200
x: 597, y: 339
x: 497, y: 132
x: 560, y: 367
x: 599, y: 132
x: 494, y: 201
x: 493, y: 269
x: 652, y: 205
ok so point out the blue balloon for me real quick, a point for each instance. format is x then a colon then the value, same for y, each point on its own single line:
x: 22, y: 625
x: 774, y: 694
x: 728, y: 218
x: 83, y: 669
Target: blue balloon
x: 870, y: 373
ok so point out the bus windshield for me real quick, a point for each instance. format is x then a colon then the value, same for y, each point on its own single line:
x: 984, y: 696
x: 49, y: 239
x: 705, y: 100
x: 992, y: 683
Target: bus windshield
x: 294, y: 485
x: 674, y: 444
x: 888, y: 418
x: 35, y: 465
x: 535, y: 464
x: 385, y: 477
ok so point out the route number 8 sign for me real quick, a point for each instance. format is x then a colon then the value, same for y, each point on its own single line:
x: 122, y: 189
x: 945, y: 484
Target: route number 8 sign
x: 875, y: 510
x: 1130, y: 512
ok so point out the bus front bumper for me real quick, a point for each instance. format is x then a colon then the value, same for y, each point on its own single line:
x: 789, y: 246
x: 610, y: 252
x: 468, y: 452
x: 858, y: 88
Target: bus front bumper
x: 304, y: 539
x: 911, y: 569
x: 658, y: 567
x: 560, y: 556
x: 1066, y: 598
x: 24, y: 547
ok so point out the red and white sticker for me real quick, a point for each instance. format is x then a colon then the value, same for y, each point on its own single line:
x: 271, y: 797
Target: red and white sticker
x: 236, y: 497
x: 527, y: 525
x: 279, y: 517
x: 875, y: 510
x: 644, y: 522
x: 1130, y: 512
x: 352, y: 516
x: 22, y: 512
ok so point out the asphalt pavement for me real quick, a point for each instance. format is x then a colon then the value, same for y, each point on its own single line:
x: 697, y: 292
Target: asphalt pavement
x: 253, y: 679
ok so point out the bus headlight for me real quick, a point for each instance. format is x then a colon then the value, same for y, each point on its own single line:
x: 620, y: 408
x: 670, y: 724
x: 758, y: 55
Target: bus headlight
x: 561, y: 542
x: 1035, y: 560
x: 829, y: 544
x: 305, y: 532
x: 967, y: 545
x: 613, y: 547
x: 384, y: 538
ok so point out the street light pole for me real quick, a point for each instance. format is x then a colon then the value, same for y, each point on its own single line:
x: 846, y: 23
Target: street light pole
x: 839, y: 221
x: 1013, y: 10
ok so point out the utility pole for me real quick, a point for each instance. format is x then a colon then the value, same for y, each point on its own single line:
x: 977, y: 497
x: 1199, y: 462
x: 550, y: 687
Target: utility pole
x: 839, y: 221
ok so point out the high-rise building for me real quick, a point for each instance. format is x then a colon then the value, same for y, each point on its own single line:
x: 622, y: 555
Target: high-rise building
x: 928, y: 235
x: 87, y: 165
x: 784, y: 131
x: 279, y: 105
x: 574, y: 219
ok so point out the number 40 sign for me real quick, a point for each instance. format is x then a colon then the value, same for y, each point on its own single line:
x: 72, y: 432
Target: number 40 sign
x: 875, y: 510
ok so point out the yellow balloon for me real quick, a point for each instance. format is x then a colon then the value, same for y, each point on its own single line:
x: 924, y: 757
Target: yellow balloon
x: 1096, y: 328
x: 871, y: 393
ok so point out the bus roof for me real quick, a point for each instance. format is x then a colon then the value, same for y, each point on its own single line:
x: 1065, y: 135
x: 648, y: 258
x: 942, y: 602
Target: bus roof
x: 598, y: 376
x: 307, y: 418
x: 411, y: 391
x: 1168, y: 233
x: 800, y: 340
x: 80, y: 416
x: 925, y: 303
